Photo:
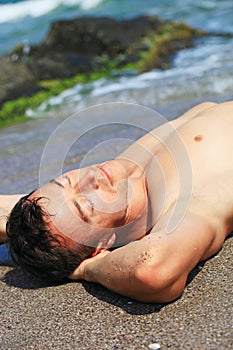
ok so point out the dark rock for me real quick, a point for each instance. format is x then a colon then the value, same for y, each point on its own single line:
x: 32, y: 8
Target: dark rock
x: 78, y: 46
x: 60, y: 65
x: 98, y: 35
x: 16, y: 79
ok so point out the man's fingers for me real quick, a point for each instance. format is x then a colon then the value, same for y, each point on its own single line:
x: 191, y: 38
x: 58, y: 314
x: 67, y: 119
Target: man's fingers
x: 79, y: 272
x: 100, y: 255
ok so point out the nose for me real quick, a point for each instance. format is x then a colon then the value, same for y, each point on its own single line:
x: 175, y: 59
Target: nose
x: 87, y: 180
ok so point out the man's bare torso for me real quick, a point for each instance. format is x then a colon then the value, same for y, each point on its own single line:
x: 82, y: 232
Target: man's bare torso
x: 206, y: 140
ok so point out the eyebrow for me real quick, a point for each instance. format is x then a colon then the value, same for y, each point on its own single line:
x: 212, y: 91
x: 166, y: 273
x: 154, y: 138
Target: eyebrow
x: 53, y: 181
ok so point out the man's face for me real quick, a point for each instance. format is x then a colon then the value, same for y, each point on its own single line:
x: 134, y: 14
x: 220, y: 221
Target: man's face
x: 89, y: 203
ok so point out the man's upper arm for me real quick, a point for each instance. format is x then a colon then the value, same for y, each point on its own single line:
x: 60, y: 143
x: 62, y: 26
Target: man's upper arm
x: 194, y: 236
x: 171, y: 257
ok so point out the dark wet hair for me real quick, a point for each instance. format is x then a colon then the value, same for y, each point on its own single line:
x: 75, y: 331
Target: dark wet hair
x: 35, y: 249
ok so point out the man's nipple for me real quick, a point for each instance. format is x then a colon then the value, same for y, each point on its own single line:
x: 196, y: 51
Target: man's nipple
x: 198, y: 138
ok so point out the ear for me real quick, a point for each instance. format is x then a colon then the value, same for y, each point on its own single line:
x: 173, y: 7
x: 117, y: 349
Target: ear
x: 105, y: 244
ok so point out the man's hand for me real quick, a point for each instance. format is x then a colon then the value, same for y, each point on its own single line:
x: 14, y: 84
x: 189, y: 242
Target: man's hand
x: 79, y: 273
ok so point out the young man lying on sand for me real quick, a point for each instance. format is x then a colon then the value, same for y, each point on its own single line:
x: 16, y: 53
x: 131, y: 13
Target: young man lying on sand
x: 165, y: 204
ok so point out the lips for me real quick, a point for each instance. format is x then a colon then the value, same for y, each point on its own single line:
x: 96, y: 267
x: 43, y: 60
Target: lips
x: 107, y: 174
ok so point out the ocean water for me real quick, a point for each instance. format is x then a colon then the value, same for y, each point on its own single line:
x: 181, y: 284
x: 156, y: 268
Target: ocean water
x: 205, y: 71
x: 29, y: 20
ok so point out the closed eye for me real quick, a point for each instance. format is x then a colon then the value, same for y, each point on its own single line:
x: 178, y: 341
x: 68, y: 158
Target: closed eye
x: 85, y: 208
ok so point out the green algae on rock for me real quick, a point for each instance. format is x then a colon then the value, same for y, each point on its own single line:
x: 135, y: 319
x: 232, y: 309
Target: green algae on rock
x: 161, y: 46
x: 14, y: 111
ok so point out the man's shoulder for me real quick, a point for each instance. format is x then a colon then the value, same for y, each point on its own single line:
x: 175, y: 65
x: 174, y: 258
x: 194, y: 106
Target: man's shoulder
x: 193, y: 112
x: 194, y: 229
x: 192, y: 218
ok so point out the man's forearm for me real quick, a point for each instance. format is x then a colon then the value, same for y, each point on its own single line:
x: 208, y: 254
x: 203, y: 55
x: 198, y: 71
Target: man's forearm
x: 118, y: 276
x: 114, y: 271
x: 7, y: 202
x: 2, y: 226
x: 3, y: 220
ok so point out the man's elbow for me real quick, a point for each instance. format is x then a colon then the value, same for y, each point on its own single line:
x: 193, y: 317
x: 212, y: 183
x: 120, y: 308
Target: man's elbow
x: 159, y: 284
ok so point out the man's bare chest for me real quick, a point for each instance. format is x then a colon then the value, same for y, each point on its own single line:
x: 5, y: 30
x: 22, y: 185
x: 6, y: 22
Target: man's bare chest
x: 195, y: 166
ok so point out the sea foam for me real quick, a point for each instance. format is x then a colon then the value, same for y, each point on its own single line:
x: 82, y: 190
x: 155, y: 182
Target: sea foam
x: 36, y: 8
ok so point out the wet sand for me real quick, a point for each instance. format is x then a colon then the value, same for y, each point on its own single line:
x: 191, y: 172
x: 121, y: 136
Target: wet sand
x: 34, y: 315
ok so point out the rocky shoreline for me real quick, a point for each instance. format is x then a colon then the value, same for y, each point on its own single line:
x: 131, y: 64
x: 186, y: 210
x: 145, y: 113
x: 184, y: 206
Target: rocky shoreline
x: 85, y: 45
